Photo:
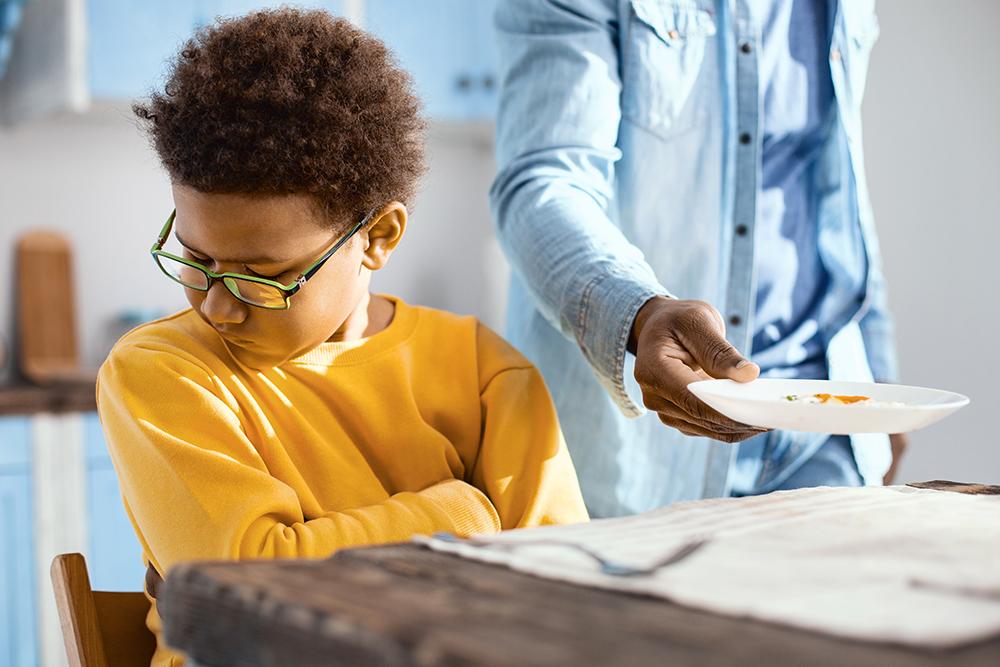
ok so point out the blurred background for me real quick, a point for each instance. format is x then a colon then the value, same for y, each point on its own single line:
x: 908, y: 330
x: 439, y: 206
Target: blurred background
x: 72, y: 160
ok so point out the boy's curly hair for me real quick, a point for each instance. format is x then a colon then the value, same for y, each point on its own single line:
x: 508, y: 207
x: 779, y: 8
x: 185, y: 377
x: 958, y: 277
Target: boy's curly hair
x: 289, y: 101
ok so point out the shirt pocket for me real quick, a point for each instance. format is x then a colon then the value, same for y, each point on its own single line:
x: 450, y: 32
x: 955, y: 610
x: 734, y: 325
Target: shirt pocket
x: 665, y: 51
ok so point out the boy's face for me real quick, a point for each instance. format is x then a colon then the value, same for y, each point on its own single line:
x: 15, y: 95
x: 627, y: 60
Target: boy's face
x: 276, y: 237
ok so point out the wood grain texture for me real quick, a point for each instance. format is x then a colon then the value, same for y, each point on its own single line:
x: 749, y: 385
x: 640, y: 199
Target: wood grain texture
x: 28, y: 399
x: 401, y: 605
x: 127, y: 640
x: 958, y: 487
x: 77, y: 611
x: 46, y: 310
x: 100, y: 628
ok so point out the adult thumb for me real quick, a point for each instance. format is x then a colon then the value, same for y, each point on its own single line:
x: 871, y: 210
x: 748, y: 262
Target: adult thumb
x: 720, y: 359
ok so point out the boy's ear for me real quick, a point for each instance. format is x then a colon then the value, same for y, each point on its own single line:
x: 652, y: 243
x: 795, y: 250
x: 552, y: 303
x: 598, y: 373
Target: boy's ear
x: 384, y: 233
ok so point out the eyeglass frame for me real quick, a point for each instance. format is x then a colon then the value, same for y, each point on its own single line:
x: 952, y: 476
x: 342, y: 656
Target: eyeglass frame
x: 287, y: 290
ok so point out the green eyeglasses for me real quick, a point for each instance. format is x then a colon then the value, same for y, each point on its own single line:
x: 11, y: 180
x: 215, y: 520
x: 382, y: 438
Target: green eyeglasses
x: 252, y: 290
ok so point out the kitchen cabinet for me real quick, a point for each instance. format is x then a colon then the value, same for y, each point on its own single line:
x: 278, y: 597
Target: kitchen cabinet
x: 17, y: 572
x: 114, y: 557
x: 58, y: 493
x: 131, y: 41
x: 447, y: 45
x: 449, y: 48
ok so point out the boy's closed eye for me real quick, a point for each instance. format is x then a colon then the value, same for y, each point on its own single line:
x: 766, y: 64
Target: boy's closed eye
x: 204, y: 261
x: 268, y: 275
x: 261, y: 273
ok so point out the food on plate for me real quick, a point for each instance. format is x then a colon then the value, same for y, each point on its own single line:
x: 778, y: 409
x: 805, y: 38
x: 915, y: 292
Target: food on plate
x: 840, y: 399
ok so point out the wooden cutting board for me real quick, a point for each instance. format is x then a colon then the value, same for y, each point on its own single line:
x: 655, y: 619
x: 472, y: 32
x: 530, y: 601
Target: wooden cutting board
x: 46, y: 310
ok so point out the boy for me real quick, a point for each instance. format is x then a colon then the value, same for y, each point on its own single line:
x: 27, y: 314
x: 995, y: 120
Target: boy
x: 289, y: 412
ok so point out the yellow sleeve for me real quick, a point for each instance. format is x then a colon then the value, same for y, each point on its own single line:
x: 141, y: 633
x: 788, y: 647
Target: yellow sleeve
x: 523, y: 464
x: 198, y: 489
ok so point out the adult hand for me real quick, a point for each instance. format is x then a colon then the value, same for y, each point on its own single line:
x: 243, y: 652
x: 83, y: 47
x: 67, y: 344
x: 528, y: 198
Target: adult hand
x: 676, y: 343
x: 899, y: 443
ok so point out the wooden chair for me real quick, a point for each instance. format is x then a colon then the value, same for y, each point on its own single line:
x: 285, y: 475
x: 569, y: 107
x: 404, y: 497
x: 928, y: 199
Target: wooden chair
x: 100, y: 628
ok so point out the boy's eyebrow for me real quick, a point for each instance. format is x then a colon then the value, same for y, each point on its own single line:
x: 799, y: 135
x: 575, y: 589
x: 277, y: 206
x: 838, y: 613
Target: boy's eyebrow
x: 252, y: 260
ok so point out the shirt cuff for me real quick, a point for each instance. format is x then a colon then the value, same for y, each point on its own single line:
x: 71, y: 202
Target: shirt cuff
x: 608, y: 309
x: 470, y: 511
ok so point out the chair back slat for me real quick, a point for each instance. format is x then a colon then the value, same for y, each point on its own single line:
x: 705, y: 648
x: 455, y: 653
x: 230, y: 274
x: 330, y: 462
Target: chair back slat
x: 100, y: 628
x: 122, y: 617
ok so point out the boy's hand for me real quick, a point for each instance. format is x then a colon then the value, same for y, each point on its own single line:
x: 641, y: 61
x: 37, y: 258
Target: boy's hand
x: 676, y: 343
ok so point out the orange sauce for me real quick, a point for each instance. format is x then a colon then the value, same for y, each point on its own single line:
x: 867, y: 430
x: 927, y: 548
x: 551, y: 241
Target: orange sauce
x: 847, y: 400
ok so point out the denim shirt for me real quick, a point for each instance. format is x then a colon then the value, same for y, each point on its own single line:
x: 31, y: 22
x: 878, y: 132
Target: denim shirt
x: 798, y: 116
x: 628, y: 149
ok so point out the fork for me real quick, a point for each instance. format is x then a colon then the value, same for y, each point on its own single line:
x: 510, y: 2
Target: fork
x: 992, y: 594
x: 608, y: 567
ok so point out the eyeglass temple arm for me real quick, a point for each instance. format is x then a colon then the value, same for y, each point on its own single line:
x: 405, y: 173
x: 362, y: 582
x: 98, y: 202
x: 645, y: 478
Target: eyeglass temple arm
x: 165, y: 232
x: 308, y: 273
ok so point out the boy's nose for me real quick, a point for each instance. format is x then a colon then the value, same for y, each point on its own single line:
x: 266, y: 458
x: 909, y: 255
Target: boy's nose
x: 221, y: 307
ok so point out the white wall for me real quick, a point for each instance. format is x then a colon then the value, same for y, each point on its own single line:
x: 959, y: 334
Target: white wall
x: 94, y: 178
x: 932, y: 138
x: 932, y: 135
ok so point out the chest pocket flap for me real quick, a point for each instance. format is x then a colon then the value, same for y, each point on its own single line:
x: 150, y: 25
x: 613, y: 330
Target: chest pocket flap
x: 673, y: 22
x: 665, y: 49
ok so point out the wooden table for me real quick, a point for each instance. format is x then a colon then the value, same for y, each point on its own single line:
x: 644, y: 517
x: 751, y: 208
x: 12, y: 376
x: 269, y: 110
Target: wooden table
x: 403, y: 605
x: 18, y: 399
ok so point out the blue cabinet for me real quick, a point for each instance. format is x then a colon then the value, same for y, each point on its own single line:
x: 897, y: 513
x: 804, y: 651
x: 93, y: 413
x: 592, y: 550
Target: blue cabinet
x: 131, y: 41
x: 113, y: 554
x: 207, y: 10
x: 447, y: 45
x: 17, y: 555
x: 114, y: 557
x: 449, y: 48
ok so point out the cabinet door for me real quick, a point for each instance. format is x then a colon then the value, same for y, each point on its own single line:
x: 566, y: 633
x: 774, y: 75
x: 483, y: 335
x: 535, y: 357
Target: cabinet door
x: 207, y: 10
x: 482, y: 47
x: 447, y: 46
x: 17, y: 556
x: 114, y: 557
x: 130, y: 43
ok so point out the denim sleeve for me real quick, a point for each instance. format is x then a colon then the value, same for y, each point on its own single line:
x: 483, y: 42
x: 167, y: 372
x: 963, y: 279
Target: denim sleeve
x: 877, y: 328
x: 553, y: 197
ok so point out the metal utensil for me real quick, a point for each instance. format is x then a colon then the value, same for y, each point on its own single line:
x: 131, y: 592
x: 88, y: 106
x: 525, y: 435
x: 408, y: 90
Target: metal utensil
x: 608, y: 567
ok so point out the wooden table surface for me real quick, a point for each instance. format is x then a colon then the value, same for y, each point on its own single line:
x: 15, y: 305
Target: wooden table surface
x: 25, y: 399
x: 402, y: 605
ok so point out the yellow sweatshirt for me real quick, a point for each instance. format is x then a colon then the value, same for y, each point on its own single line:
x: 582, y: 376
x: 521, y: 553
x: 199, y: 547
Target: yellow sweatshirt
x: 433, y: 424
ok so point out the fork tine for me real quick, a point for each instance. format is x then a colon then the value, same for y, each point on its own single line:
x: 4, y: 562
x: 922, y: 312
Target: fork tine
x: 608, y: 567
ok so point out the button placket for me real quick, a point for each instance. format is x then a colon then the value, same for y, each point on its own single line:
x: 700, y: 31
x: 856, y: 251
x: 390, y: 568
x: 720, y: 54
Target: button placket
x: 739, y: 287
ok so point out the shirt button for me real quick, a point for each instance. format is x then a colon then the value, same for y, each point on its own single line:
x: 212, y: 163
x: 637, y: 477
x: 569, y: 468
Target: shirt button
x: 741, y: 230
x: 745, y: 47
x: 745, y: 138
x: 735, y: 320
x: 673, y: 34
x: 835, y: 55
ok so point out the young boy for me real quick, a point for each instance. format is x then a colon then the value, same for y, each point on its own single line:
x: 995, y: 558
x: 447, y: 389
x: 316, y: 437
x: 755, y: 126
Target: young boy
x: 289, y: 412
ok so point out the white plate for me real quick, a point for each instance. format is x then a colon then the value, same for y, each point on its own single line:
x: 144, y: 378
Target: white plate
x: 762, y: 403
